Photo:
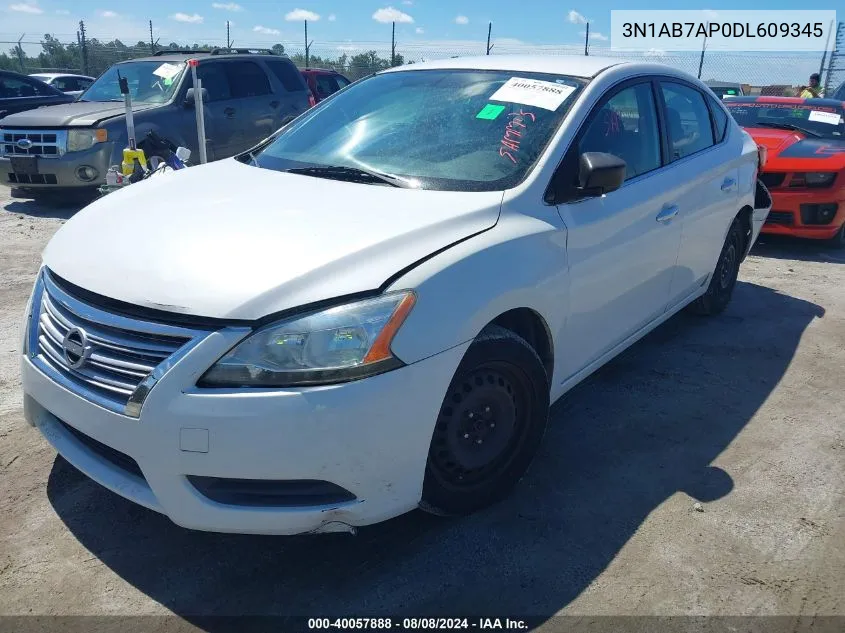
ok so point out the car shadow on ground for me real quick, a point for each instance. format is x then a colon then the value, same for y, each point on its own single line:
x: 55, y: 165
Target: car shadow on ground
x: 784, y: 247
x: 643, y: 428
x: 62, y: 209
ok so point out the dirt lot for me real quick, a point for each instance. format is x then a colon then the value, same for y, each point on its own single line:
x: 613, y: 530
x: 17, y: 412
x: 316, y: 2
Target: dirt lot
x: 742, y: 413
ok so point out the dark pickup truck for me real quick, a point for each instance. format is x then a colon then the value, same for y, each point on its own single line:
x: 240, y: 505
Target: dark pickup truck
x: 248, y: 95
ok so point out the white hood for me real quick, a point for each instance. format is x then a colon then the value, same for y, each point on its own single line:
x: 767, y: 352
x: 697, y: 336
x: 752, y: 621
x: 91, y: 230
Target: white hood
x: 229, y: 240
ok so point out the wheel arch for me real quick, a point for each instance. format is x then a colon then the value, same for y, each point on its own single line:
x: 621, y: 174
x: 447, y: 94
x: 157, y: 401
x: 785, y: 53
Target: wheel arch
x: 531, y: 326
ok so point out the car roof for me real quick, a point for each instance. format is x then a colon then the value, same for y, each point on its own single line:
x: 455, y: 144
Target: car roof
x: 572, y: 65
x: 796, y: 100
x: 184, y: 57
x: 54, y: 75
x: 722, y: 84
x: 319, y: 71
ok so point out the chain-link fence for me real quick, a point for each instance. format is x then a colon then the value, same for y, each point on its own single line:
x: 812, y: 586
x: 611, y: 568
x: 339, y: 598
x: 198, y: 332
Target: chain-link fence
x: 761, y: 73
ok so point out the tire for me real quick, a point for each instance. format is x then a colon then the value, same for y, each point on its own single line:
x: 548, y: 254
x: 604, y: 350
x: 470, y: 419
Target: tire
x: 499, y: 395
x: 723, y: 281
x: 838, y: 240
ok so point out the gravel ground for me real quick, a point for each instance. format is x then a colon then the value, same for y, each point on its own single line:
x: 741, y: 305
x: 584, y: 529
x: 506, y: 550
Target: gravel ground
x: 742, y: 413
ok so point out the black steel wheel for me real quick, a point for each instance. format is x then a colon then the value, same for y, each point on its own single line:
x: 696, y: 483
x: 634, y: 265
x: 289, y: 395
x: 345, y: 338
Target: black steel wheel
x: 723, y: 281
x: 490, y: 424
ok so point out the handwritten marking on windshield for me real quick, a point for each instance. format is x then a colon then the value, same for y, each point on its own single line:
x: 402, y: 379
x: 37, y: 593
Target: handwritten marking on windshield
x: 513, y: 134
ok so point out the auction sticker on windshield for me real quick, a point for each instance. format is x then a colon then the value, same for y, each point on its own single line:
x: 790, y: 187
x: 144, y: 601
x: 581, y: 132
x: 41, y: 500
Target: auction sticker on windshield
x: 166, y: 71
x: 831, y: 118
x: 533, y: 92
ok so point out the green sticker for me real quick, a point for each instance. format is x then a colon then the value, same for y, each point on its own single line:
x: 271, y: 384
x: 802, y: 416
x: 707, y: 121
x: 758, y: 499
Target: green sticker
x: 168, y: 81
x: 490, y: 111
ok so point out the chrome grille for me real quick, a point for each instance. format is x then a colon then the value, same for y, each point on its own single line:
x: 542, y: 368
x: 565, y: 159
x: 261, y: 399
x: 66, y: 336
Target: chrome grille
x: 43, y: 143
x: 121, y: 355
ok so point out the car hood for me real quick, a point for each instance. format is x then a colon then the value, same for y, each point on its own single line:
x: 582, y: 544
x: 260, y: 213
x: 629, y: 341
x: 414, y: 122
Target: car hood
x: 228, y: 240
x: 789, y: 151
x: 76, y: 113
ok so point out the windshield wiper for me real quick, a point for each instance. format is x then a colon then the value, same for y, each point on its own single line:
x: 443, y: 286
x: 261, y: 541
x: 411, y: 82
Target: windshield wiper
x: 788, y: 126
x: 343, y: 172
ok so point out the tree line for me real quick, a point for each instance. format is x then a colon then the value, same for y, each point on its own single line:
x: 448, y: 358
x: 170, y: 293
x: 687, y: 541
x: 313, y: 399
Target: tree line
x: 95, y: 57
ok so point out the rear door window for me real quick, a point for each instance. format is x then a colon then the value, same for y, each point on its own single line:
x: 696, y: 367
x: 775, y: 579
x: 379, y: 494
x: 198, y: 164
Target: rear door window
x: 287, y: 74
x: 326, y: 85
x: 687, y: 118
x: 720, y: 120
x: 247, y: 79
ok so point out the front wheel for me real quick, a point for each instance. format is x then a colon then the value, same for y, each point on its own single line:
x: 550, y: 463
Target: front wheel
x: 722, y: 284
x: 489, y: 427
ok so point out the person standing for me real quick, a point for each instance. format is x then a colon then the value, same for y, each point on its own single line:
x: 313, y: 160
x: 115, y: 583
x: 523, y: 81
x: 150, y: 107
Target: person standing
x: 814, y: 90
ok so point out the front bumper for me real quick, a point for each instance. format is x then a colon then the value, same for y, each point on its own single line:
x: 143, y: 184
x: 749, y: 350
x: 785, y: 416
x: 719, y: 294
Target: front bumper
x: 370, y: 437
x: 785, y: 217
x: 60, y: 173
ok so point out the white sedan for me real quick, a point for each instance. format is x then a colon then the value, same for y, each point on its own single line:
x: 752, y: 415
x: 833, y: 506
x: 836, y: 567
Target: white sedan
x: 373, y: 310
x: 67, y: 83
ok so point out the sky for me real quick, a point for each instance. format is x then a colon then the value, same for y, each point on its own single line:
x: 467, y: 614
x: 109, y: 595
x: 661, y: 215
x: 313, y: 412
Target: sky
x: 418, y: 22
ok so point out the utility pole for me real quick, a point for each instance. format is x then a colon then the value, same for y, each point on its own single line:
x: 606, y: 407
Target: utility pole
x: 83, y: 44
x: 489, y: 32
x: 701, y: 60
x: 228, y: 39
x: 307, y: 45
x: 19, y: 50
x: 393, y: 47
x: 587, y: 40
x: 152, y: 42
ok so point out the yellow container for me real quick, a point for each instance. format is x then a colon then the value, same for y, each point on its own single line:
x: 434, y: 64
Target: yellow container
x: 129, y: 158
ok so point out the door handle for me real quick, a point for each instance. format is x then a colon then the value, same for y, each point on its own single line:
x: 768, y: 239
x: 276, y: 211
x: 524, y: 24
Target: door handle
x: 728, y: 184
x: 274, y: 104
x: 668, y: 214
x: 229, y: 112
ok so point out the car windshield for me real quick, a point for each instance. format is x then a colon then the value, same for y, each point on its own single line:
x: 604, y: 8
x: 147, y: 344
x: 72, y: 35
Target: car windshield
x: 453, y: 130
x: 149, y: 82
x: 822, y: 121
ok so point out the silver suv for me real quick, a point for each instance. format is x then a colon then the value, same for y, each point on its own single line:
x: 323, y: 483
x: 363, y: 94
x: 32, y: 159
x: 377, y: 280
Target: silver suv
x: 248, y: 94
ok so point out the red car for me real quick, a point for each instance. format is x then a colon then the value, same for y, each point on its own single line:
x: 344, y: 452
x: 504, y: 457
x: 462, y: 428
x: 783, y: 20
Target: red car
x: 323, y: 83
x: 805, y: 162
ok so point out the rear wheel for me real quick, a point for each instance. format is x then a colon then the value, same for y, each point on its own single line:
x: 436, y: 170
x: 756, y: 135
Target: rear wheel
x: 723, y: 281
x: 489, y: 427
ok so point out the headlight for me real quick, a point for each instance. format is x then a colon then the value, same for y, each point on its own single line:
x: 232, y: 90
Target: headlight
x: 85, y: 138
x: 335, y: 345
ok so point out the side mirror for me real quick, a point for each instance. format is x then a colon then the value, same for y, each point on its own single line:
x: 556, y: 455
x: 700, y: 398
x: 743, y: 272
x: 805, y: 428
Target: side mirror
x: 600, y: 173
x: 190, y: 97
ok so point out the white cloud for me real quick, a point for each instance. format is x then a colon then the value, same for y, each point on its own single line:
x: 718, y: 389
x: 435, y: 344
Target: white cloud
x: 595, y: 35
x: 26, y: 7
x: 108, y: 14
x: 407, y: 3
x: 420, y: 30
x: 655, y: 52
x: 227, y: 6
x: 265, y: 30
x: 576, y: 18
x: 389, y: 14
x: 462, y: 19
x: 332, y: 17
x: 298, y: 15
x: 196, y: 18
x: 62, y: 11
